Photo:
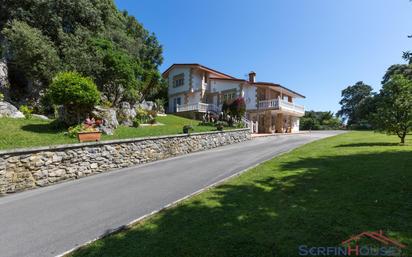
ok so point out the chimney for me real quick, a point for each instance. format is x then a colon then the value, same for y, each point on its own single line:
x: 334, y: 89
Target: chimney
x: 252, y: 77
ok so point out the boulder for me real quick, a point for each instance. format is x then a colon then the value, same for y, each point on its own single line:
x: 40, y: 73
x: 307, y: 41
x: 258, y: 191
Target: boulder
x: 8, y: 110
x: 109, y: 117
x: 147, y: 105
x: 69, y: 116
x: 126, y: 114
x: 4, y: 79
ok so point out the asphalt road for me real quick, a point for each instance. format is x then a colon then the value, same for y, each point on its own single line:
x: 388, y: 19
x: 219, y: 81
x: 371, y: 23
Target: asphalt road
x: 52, y: 220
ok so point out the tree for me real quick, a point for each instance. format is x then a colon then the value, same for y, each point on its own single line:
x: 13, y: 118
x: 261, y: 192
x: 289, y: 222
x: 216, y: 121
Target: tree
x: 238, y: 108
x: 351, y: 97
x: 118, y: 79
x: 398, y: 69
x: 235, y: 109
x: 77, y: 94
x: 31, y: 52
x: 365, y: 110
x: 70, y: 30
x: 319, y: 121
x: 394, y: 107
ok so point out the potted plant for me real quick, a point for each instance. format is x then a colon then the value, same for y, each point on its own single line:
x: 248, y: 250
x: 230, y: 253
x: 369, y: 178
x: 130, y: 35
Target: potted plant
x: 187, y: 129
x: 219, y: 126
x: 86, y: 132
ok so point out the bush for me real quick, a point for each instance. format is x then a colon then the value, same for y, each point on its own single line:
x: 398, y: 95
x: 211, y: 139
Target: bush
x: 145, y: 116
x: 238, y: 108
x: 76, y: 93
x: 1, y: 97
x: 152, y: 121
x: 220, y: 126
x: 187, y: 129
x: 27, y: 111
x: 89, y: 125
x: 160, y: 105
x: 107, y: 104
x: 136, y: 123
x: 203, y: 123
x: 235, y: 109
x: 72, y: 132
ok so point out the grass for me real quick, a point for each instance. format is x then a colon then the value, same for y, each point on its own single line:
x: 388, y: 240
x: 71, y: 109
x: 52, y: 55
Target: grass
x: 17, y: 133
x: 317, y: 195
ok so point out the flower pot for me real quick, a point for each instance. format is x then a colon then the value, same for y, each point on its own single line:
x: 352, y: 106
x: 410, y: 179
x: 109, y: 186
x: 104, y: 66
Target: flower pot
x: 89, y: 136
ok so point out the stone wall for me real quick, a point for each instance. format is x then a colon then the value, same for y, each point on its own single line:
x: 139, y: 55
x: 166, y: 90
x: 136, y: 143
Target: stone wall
x: 24, y: 169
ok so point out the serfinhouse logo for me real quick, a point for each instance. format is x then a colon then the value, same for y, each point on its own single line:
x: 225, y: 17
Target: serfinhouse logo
x: 363, y: 244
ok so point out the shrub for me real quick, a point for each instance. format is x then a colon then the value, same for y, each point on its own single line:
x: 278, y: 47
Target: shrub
x: 107, y: 104
x: 235, y: 109
x: 89, y: 125
x: 1, y: 97
x: 76, y: 93
x: 121, y: 117
x: 152, y: 113
x: 160, y: 105
x: 187, y: 129
x: 240, y: 125
x: 238, y: 108
x: 27, y: 111
x: 204, y: 123
x: 152, y: 121
x: 136, y: 123
x: 219, y: 126
x: 72, y: 132
x: 145, y: 116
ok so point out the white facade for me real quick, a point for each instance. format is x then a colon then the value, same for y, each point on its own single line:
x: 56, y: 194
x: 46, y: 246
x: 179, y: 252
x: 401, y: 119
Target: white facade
x: 196, y: 88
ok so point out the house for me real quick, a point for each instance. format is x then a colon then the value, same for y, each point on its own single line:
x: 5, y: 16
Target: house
x: 194, y: 89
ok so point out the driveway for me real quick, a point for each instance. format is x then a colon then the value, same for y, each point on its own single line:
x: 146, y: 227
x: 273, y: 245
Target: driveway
x: 52, y: 220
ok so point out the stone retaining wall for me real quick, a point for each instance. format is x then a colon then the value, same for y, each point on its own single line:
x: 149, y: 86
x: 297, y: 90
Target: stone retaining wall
x: 24, y: 169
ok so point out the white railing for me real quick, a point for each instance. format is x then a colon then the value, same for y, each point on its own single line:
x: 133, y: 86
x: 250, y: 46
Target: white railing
x: 292, y: 107
x: 197, y: 107
x: 279, y: 104
x: 269, y: 104
x: 252, y: 125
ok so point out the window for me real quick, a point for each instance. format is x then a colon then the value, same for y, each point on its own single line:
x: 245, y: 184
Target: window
x: 179, y: 80
x: 229, y: 96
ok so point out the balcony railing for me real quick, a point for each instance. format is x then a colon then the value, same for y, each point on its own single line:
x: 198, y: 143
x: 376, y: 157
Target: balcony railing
x: 279, y: 104
x: 197, y: 107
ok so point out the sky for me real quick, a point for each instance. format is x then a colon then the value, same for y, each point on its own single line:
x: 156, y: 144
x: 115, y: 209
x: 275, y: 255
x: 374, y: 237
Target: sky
x: 315, y: 47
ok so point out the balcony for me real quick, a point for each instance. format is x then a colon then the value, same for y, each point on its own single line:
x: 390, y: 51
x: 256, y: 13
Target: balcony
x: 281, y: 105
x: 197, y: 107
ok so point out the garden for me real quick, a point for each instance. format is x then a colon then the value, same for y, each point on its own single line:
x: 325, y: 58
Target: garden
x: 80, y: 114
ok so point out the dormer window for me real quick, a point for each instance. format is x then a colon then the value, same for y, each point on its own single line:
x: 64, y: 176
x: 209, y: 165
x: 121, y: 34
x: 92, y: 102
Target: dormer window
x: 179, y: 80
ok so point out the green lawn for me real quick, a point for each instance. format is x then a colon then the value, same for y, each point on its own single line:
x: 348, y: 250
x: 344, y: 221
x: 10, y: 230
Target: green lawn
x: 317, y: 195
x: 17, y: 133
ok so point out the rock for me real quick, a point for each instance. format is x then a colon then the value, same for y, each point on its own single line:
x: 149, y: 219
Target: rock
x: 147, y: 105
x: 39, y: 116
x: 69, y: 117
x: 4, y: 79
x: 8, y: 110
x: 57, y: 173
x: 109, y: 117
x: 126, y: 114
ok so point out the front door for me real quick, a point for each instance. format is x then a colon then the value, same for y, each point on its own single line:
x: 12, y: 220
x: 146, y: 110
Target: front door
x: 176, y: 102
